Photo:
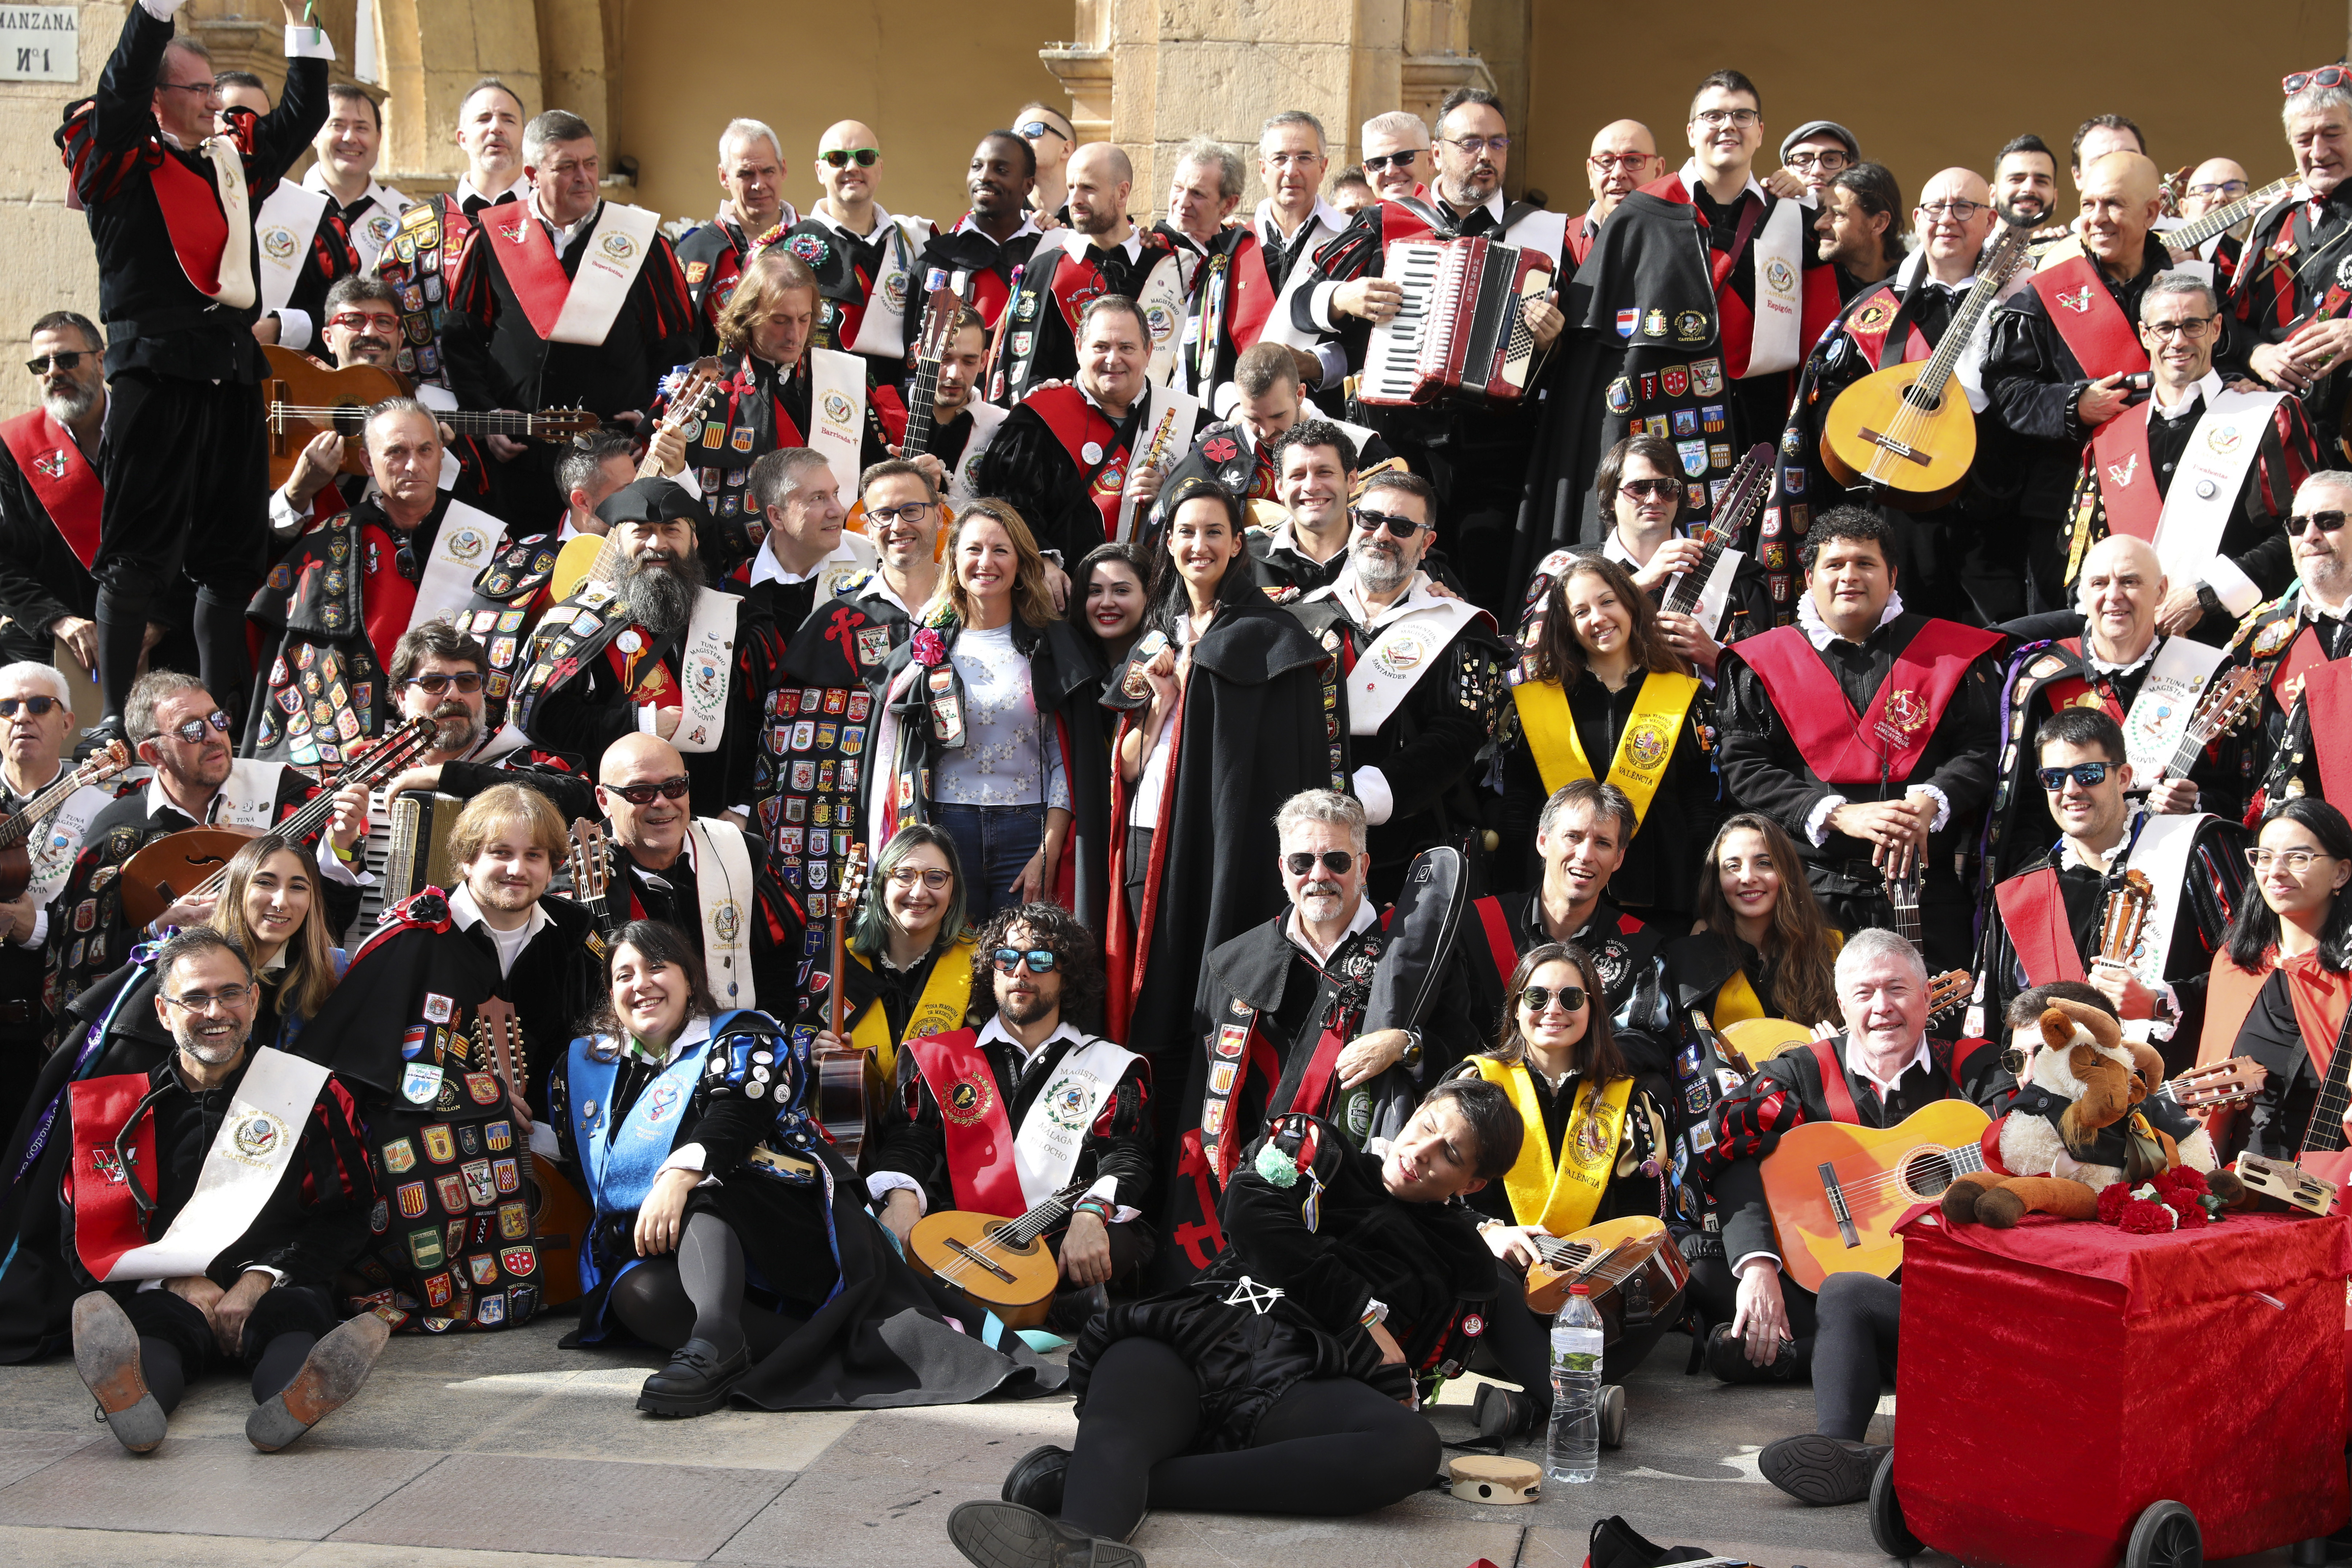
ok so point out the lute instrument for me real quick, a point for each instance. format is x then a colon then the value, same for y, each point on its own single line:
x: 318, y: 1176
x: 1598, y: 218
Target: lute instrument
x: 559, y: 1216
x: 1744, y: 495
x: 303, y: 399
x: 191, y: 862
x: 1901, y: 432
x: 841, y: 1107
x: 16, y: 833
x: 1632, y: 1265
x: 1000, y: 1265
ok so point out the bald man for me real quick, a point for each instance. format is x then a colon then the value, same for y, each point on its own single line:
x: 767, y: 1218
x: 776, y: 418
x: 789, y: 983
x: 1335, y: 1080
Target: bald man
x: 1101, y: 252
x: 1623, y: 159
x: 868, y: 262
x: 2061, y: 348
x: 2213, y: 185
x: 701, y: 874
x: 1958, y: 561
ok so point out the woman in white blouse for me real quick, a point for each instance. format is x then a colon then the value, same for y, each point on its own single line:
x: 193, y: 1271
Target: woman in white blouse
x: 990, y: 728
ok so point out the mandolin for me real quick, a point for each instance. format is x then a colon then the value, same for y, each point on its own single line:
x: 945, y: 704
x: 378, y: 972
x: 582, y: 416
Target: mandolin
x: 1744, y: 495
x: 559, y: 1216
x: 1901, y: 432
x: 1633, y: 1269
x: 841, y: 1075
x: 191, y: 862
x: 2191, y: 237
x: 16, y: 833
x: 303, y: 398
x: 1000, y: 1265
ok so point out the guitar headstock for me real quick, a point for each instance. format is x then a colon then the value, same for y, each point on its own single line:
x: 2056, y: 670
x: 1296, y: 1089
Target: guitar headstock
x: 501, y: 1039
x: 103, y: 764
x: 1744, y: 495
x: 589, y: 859
x: 2127, y: 916
x: 2231, y: 1082
x: 692, y: 390
x: 942, y: 305
x: 564, y: 424
x: 2228, y: 702
x: 852, y: 886
x: 1948, y: 990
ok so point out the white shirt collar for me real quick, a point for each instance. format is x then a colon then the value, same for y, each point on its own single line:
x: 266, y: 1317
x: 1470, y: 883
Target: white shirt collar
x: 1133, y: 244
x: 315, y: 179
x: 1295, y: 934
x: 465, y: 913
x: 466, y: 191
x: 2071, y: 857
x: 1323, y: 213
x: 1693, y: 181
x: 1142, y: 400
x: 2311, y: 607
x: 2201, y: 396
x: 995, y: 1029
x: 2103, y: 668
x: 1918, y: 1058
x: 1817, y: 630
x: 55, y: 775
x: 766, y: 568
x: 1028, y: 226
x: 158, y: 801
x: 882, y: 221
x: 564, y: 234
x: 1351, y: 598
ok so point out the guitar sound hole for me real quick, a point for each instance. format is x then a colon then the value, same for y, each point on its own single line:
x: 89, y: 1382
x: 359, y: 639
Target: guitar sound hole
x: 1026, y: 1249
x: 1915, y: 396
x: 1926, y: 1173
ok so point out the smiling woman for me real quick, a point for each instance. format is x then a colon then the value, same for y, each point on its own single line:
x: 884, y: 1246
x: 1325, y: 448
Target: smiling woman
x: 269, y: 904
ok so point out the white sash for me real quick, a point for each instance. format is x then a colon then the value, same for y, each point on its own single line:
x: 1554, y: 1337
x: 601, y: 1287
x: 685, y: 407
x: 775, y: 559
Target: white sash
x: 374, y: 228
x: 2212, y: 473
x: 1161, y: 299
x: 1053, y: 1134
x: 1401, y: 653
x: 1162, y: 439
x: 963, y: 485
x: 705, y: 670
x: 1281, y: 326
x: 837, y: 413
x: 237, y: 206
x: 461, y: 548
x: 882, y: 332
x: 2162, y: 852
x: 2159, y: 714
x: 287, y: 222
x: 56, y: 840
x: 1777, y: 342
x: 609, y: 259
x: 248, y: 798
x: 1541, y: 231
x: 722, y: 876
x: 241, y: 1170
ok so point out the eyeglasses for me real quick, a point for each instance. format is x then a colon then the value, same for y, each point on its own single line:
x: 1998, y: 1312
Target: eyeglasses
x: 1607, y: 161
x: 1302, y: 861
x: 1661, y: 489
x: 2188, y: 329
x: 1367, y: 520
x: 228, y: 997
x: 2221, y: 188
x: 1474, y: 145
x: 1391, y: 161
x: 213, y: 88
x: 38, y: 706
x: 2296, y: 861
x: 194, y: 729
x: 2325, y: 75
x: 1956, y: 210
x: 1039, y: 128
x: 1538, y: 999
x: 41, y: 364
x: 911, y: 511
x: 1040, y: 959
x: 1827, y: 163
x: 2325, y: 521
x: 645, y: 793
x: 467, y: 682
x: 1716, y: 119
x: 366, y: 321
x: 840, y: 157
x: 2087, y: 775
x: 935, y: 878
x: 1292, y: 159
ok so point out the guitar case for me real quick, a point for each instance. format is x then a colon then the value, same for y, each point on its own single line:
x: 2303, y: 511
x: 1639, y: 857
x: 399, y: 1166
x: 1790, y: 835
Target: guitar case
x: 1423, y: 928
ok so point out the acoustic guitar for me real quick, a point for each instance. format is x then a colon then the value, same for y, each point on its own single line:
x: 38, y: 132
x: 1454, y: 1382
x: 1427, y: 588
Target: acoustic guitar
x: 303, y: 398
x: 16, y: 833
x: 588, y: 860
x: 841, y: 1107
x: 1632, y: 1265
x: 594, y: 556
x: 559, y: 1216
x: 1000, y: 1265
x: 1904, y: 432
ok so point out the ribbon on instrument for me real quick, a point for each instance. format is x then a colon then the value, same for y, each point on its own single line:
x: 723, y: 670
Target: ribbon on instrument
x: 1560, y: 1197
x: 1644, y: 751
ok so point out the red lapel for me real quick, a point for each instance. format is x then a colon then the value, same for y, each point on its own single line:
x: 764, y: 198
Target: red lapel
x: 60, y: 477
x: 2088, y: 317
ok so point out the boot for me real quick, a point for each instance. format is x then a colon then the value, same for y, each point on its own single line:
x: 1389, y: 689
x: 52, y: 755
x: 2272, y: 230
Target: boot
x: 106, y: 1353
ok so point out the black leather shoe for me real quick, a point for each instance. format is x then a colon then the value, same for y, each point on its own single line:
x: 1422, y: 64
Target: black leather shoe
x: 1005, y: 1535
x: 1727, y: 1357
x: 1502, y: 1413
x: 697, y: 1380
x: 1035, y: 1479
x: 1821, y: 1471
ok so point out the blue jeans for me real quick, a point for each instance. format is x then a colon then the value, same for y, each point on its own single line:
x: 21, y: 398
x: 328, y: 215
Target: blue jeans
x: 993, y: 843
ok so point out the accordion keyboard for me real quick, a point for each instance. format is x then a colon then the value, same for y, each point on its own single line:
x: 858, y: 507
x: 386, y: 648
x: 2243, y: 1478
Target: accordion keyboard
x: 1394, y: 358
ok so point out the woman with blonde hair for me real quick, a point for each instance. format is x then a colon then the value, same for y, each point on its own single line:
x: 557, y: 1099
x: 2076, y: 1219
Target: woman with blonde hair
x: 269, y: 905
x: 1762, y: 947
x: 991, y: 730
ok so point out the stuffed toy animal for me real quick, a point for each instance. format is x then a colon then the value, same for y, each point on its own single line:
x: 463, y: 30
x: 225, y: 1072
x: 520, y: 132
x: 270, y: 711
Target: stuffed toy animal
x: 2086, y: 1121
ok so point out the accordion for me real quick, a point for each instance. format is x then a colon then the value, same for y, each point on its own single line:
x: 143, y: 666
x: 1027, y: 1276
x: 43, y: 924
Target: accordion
x: 408, y: 849
x: 1462, y: 328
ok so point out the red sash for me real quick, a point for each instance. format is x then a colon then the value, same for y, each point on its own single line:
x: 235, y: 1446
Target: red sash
x: 192, y: 217
x: 2319, y: 999
x: 2327, y: 696
x: 2034, y: 912
x: 1075, y: 285
x: 2303, y: 656
x: 1578, y: 237
x: 2088, y: 317
x: 1835, y: 1092
x: 1839, y: 747
x: 106, y: 1220
x: 2127, y: 474
x: 1253, y: 292
x: 1497, y: 927
x: 387, y: 599
x: 1868, y: 323
x: 1400, y: 222
x: 2068, y: 691
x: 67, y: 486
x: 973, y: 1117
x: 527, y: 256
x: 1079, y: 424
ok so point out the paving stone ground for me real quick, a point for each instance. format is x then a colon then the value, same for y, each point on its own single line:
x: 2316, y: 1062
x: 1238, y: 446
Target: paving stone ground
x: 502, y: 1451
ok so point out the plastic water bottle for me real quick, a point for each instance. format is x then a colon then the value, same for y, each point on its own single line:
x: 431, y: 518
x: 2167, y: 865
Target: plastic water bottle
x: 1572, y: 1450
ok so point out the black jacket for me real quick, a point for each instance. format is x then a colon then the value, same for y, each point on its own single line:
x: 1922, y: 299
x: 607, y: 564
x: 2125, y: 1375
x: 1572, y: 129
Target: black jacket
x: 776, y: 922
x: 42, y: 581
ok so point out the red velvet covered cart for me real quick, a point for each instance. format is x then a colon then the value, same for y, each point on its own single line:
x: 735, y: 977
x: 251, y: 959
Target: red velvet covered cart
x: 2070, y: 1396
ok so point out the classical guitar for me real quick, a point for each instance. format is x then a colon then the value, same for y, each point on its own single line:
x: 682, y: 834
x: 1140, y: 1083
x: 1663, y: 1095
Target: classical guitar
x: 2191, y: 237
x: 1835, y: 1190
x: 1633, y: 1269
x: 841, y: 1075
x: 1744, y: 494
x: 588, y: 860
x: 2233, y: 698
x: 2129, y: 904
x: 559, y: 1216
x: 16, y: 833
x: 2323, y: 1153
x: 941, y: 306
x: 999, y: 1264
x: 596, y: 556
x: 302, y: 398
x: 191, y: 862
x: 1903, y: 432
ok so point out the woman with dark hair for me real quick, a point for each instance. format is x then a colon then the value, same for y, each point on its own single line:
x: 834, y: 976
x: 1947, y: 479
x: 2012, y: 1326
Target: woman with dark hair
x: 2280, y: 985
x: 1109, y: 603
x: 1605, y: 696
x: 728, y: 1230
x: 1222, y: 700
x: 1587, y: 1120
x: 1762, y: 947
x: 990, y: 727
x: 909, y: 969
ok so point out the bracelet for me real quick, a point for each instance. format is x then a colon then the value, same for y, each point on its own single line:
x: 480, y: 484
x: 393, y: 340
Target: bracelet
x: 1099, y: 1207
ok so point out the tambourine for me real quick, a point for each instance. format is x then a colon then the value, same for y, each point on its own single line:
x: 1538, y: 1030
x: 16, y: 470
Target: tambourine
x: 1482, y: 1478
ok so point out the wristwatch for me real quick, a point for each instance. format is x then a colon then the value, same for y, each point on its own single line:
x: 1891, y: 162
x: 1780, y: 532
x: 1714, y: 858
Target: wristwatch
x: 1411, y: 1057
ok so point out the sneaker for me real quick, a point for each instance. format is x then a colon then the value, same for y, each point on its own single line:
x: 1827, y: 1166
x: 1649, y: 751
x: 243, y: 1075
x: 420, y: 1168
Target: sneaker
x: 1821, y: 1471
x: 1727, y: 1357
x: 697, y: 1380
x: 1035, y: 1479
x: 329, y: 1375
x: 994, y: 1535
x: 106, y: 1353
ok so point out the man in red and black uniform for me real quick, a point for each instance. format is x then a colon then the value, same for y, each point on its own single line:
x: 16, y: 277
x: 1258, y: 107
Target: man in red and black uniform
x: 51, y: 497
x: 752, y: 172
x: 867, y: 262
x: 170, y: 210
x: 1869, y: 734
x: 982, y: 255
x: 423, y: 262
x: 1880, y: 1070
x: 2292, y: 287
x: 306, y: 247
x: 1101, y: 253
x: 1623, y: 159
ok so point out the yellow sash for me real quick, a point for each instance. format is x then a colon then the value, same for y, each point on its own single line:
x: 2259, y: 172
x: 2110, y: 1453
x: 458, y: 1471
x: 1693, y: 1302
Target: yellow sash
x: 1567, y: 1197
x: 1735, y: 1001
x: 946, y: 995
x: 1643, y: 751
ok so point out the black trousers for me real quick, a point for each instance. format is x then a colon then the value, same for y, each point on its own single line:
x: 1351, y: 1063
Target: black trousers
x: 187, y: 470
x: 176, y: 1345
x: 1329, y: 1445
x: 1846, y: 1338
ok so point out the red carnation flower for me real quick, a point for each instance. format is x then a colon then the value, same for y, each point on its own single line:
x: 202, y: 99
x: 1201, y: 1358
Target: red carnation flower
x: 2112, y: 1199
x: 2186, y: 1180
x: 2142, y: 1216
x: 931, y: 649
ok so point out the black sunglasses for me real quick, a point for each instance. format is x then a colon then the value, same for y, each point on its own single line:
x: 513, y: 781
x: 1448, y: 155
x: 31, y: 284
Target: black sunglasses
x: 1039, y: 959
x: 1397, y: 160
x: 194, y: 729
x: 1039, y: 128
x: 1334, y: 861
x: 1661, y: 489
x: 1539, y: 998
x: 2325, y: 521
x: 38, y: 706
x: 1367, y: 520
x: 65, y: 361
x: 469, y: 681
x: 2088, y: 776
x: 645, y: 793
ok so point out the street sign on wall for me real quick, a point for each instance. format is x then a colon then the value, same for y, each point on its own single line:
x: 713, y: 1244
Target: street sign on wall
x: 40, y: 43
